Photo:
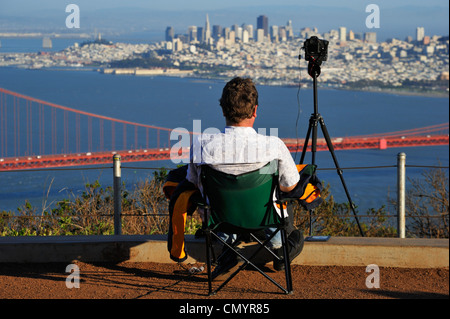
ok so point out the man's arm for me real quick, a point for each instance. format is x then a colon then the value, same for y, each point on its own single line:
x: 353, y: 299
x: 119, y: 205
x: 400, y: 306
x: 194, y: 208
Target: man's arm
x: 288, y: 188
x: 289, y: 176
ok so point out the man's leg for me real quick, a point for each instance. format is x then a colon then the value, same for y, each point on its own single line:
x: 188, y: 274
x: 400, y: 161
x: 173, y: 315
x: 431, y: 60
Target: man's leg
x: 275, y: 242
x: 295, y: 241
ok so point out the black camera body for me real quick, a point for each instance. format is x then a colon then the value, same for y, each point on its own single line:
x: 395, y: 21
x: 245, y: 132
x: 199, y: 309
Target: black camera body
x: 316, y: 50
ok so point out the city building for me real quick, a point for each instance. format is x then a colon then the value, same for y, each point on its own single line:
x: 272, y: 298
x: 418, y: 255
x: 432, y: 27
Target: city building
x: 274, y: 33
x: 342, y: 34
x: 200, y: 34
x: 370, y: 37
x: 192, y: 34
x: 169, y: 34
x: 260, y: 37
x: 249, y: 29
x: 272, y: 58
x: 216, y: 32
x: 245, y: 36
x: 207, y: 30
x: 47, y: 43
x: 351, y: 35
x: 420, y: 34
x: 289, y: 30
x: 262, y: 22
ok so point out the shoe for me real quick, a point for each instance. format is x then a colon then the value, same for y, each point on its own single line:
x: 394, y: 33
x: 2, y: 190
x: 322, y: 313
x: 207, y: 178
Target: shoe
x: 228, y: 262
x: 295, y: 243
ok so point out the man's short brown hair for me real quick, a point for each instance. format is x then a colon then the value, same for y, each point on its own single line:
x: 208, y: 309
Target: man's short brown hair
x: 239, y: 99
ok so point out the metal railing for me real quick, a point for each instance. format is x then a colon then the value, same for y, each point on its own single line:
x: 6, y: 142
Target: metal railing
x: 400, y: 200
x: 401, y: 192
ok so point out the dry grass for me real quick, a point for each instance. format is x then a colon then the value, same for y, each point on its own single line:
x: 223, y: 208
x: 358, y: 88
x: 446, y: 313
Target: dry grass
x: 144, y: 211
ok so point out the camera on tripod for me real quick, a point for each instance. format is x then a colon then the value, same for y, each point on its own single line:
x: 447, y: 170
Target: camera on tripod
x: 316, y: 50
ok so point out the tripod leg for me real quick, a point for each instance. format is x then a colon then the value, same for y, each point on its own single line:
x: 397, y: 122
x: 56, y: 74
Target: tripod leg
x: 305, y: 145
x: 312, y: 127
x: 314, y: 139
x: 339, y: 170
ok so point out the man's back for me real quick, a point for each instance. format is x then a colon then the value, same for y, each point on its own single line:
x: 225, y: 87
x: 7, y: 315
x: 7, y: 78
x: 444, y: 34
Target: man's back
x: 239, y: 150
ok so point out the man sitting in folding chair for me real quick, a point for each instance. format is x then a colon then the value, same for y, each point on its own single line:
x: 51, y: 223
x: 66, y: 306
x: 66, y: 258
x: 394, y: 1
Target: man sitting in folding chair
x: 239, y: 149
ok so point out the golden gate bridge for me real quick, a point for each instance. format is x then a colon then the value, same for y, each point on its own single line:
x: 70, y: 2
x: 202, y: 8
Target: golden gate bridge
x: 38, y: 134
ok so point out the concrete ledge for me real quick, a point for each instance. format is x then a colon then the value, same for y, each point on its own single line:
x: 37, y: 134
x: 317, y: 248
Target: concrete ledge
x: 384, y: 252
x: 39, y: 249
x: 339, y: 251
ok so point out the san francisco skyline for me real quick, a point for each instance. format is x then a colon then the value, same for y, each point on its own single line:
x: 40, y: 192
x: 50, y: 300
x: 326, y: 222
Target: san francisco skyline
x: 398, y: 19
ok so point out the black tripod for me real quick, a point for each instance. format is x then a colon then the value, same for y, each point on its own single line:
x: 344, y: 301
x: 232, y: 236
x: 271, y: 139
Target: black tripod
x: 314, y: 72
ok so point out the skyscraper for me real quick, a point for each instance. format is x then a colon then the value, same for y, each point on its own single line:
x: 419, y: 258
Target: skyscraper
x: 274, y: 33
x: 245, y: 36
x: 217, y: 32
x: 200, y: 34
x: 263, y: 23
x: 351, y: 35
x: 342, y: 34
x: 169, y: 34
x: 289, y: 30
x: 249, y: 28
x: 192, y: 33
x: 420, y: 33
x: 260, y: 35
x: 207, y: 29
x: 238, y: 31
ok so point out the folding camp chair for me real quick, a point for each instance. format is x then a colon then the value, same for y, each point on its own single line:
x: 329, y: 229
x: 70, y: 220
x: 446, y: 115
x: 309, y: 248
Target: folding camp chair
x: 242, y: 205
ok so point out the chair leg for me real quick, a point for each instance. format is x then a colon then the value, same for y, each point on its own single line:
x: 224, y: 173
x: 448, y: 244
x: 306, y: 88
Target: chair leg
x: 247, y: 261
x: 208, y: 260
x: 287, y: 262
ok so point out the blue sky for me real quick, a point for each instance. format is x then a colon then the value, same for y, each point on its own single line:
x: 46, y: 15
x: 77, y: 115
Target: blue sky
x: 33, y: 5
x: 398, y: 18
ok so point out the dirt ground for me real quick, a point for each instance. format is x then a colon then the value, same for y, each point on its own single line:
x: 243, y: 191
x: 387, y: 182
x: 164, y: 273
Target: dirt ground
x: 173, y: 281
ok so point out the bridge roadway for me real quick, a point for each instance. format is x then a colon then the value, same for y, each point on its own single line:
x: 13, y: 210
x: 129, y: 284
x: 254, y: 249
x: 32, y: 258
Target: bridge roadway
x: 96, y: 158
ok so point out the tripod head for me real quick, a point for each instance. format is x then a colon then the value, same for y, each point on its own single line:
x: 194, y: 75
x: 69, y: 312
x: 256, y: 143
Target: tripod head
x: 316, y: 51
x: 313, y: 69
